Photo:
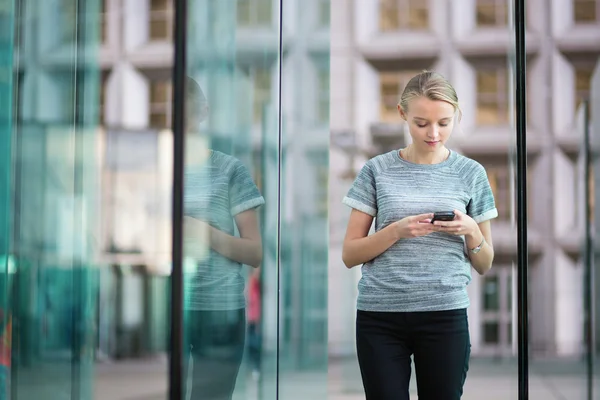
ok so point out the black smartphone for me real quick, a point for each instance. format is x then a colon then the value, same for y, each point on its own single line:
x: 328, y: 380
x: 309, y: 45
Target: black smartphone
x: 443, y: 216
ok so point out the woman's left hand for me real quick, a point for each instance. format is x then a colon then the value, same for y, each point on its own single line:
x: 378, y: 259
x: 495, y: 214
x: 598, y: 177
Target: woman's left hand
x: 461, y: 225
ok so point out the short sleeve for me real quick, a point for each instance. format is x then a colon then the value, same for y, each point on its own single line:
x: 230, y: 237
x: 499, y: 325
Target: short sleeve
x: 362, y: 196
x: 243, y: 193
x: 482, y: 206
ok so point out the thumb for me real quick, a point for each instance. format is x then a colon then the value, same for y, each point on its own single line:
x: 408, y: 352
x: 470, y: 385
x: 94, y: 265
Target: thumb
x: 459, y: 213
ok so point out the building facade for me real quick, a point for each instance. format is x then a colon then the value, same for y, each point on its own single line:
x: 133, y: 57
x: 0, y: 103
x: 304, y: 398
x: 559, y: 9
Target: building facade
x: 377, y: 46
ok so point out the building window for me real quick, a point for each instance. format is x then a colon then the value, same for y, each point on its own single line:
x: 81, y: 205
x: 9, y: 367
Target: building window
x: 391, y: 85
x: 491, y: 13
x: 585, y: 11
x: 497, y: 308
x: 262, y: 92
x: 323, y: 96
x: 403, y: 14
x: 160, y: 104
x: 161, y: 20
x: 492, y: 96
x: 499, y: 178
x: 583, y: 82
x: 253, y: 13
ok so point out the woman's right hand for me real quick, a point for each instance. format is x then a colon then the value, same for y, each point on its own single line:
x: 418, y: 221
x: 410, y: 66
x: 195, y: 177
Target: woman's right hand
x: 415, y: 226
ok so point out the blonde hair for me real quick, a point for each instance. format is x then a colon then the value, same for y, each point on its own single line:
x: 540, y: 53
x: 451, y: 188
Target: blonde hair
x: 431, y: 85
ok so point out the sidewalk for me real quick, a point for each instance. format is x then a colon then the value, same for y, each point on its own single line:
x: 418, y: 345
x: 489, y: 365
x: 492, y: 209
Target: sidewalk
x: 148, y: 380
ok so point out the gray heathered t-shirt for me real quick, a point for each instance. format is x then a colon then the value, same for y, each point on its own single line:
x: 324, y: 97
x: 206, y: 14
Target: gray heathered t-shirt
x: 428, y: 273
x: 215, y: 193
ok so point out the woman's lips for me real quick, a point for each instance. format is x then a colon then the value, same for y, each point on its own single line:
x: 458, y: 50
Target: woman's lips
x: 432, y: 143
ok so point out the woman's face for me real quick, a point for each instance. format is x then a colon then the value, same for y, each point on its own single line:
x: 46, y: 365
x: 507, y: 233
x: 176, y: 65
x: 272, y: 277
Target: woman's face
x: 430, y: 122
x: 196, y: 113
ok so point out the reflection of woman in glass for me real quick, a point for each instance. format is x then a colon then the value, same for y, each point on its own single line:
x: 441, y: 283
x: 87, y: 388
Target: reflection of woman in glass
x: 413, y: 292
x: 221, y: 235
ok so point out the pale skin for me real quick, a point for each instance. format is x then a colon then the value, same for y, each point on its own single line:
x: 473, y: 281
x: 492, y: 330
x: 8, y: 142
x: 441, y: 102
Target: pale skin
x: 430, y: 124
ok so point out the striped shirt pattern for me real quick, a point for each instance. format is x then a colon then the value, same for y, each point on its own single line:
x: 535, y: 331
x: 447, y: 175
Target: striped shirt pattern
x: 428, y: 273
x: 215, y: 193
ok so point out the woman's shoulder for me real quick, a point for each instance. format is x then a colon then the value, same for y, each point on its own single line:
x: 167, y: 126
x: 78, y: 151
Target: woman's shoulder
x: 383, y: 161
x: 467, y: 166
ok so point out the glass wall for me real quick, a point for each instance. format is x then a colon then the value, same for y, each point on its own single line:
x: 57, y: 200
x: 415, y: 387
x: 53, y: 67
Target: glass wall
x: 86, y: 188
x: 256, y: 166
x: 51, y: 264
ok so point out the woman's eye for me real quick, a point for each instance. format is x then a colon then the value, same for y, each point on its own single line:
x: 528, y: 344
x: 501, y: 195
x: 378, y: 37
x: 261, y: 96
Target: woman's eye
x: 421, y: 126
x: 443, y: 124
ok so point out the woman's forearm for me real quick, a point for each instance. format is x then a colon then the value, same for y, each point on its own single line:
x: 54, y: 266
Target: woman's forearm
x: 244, y: 251
x: 361, y: 250
x: 482, y: 261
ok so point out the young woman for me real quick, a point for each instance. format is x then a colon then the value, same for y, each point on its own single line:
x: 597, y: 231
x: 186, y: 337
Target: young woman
x: 413, y: 292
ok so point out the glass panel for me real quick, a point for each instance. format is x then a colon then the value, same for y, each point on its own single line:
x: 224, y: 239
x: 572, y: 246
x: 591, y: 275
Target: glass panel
x: 594, y: 130
x: 54, y: 225
x: 304, y: 224
x: 231, y: 201
x: 7, y: 261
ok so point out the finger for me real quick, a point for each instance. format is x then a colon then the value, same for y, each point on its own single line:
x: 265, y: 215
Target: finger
x: 446, y: 223
x: 459, y: 213
x: 423, y: 217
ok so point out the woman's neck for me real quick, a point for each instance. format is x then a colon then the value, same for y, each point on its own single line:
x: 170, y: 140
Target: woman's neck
x: 196, y: 151
x: 410, y: 154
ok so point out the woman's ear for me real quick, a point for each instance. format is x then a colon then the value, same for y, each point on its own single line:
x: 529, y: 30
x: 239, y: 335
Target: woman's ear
x: 401, y: 111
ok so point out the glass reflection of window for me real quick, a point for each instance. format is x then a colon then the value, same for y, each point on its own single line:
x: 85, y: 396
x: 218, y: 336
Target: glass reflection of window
x: 583, y: 82
x: 322, y: 188
x: 255, y: 12
x: 391, y: 86
x: 160, y: 104
x: 257, y: 168
x: 592, y: 197
x: 68, y: 92
x: 102, y: 100
x: 68, y: 27
x: 262, y: 92
x: 161, y: 19
x: 491, y: 13
x: 324, y: 12
x: 403, y: 14
x: 492, y: 96
x: 103, y: 22
x: 586, y: 11
x: 323, y: 100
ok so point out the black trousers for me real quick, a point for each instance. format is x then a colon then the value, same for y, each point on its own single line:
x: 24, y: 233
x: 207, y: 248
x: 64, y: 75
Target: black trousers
x: 438, y: 341
x: 215, y: 345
